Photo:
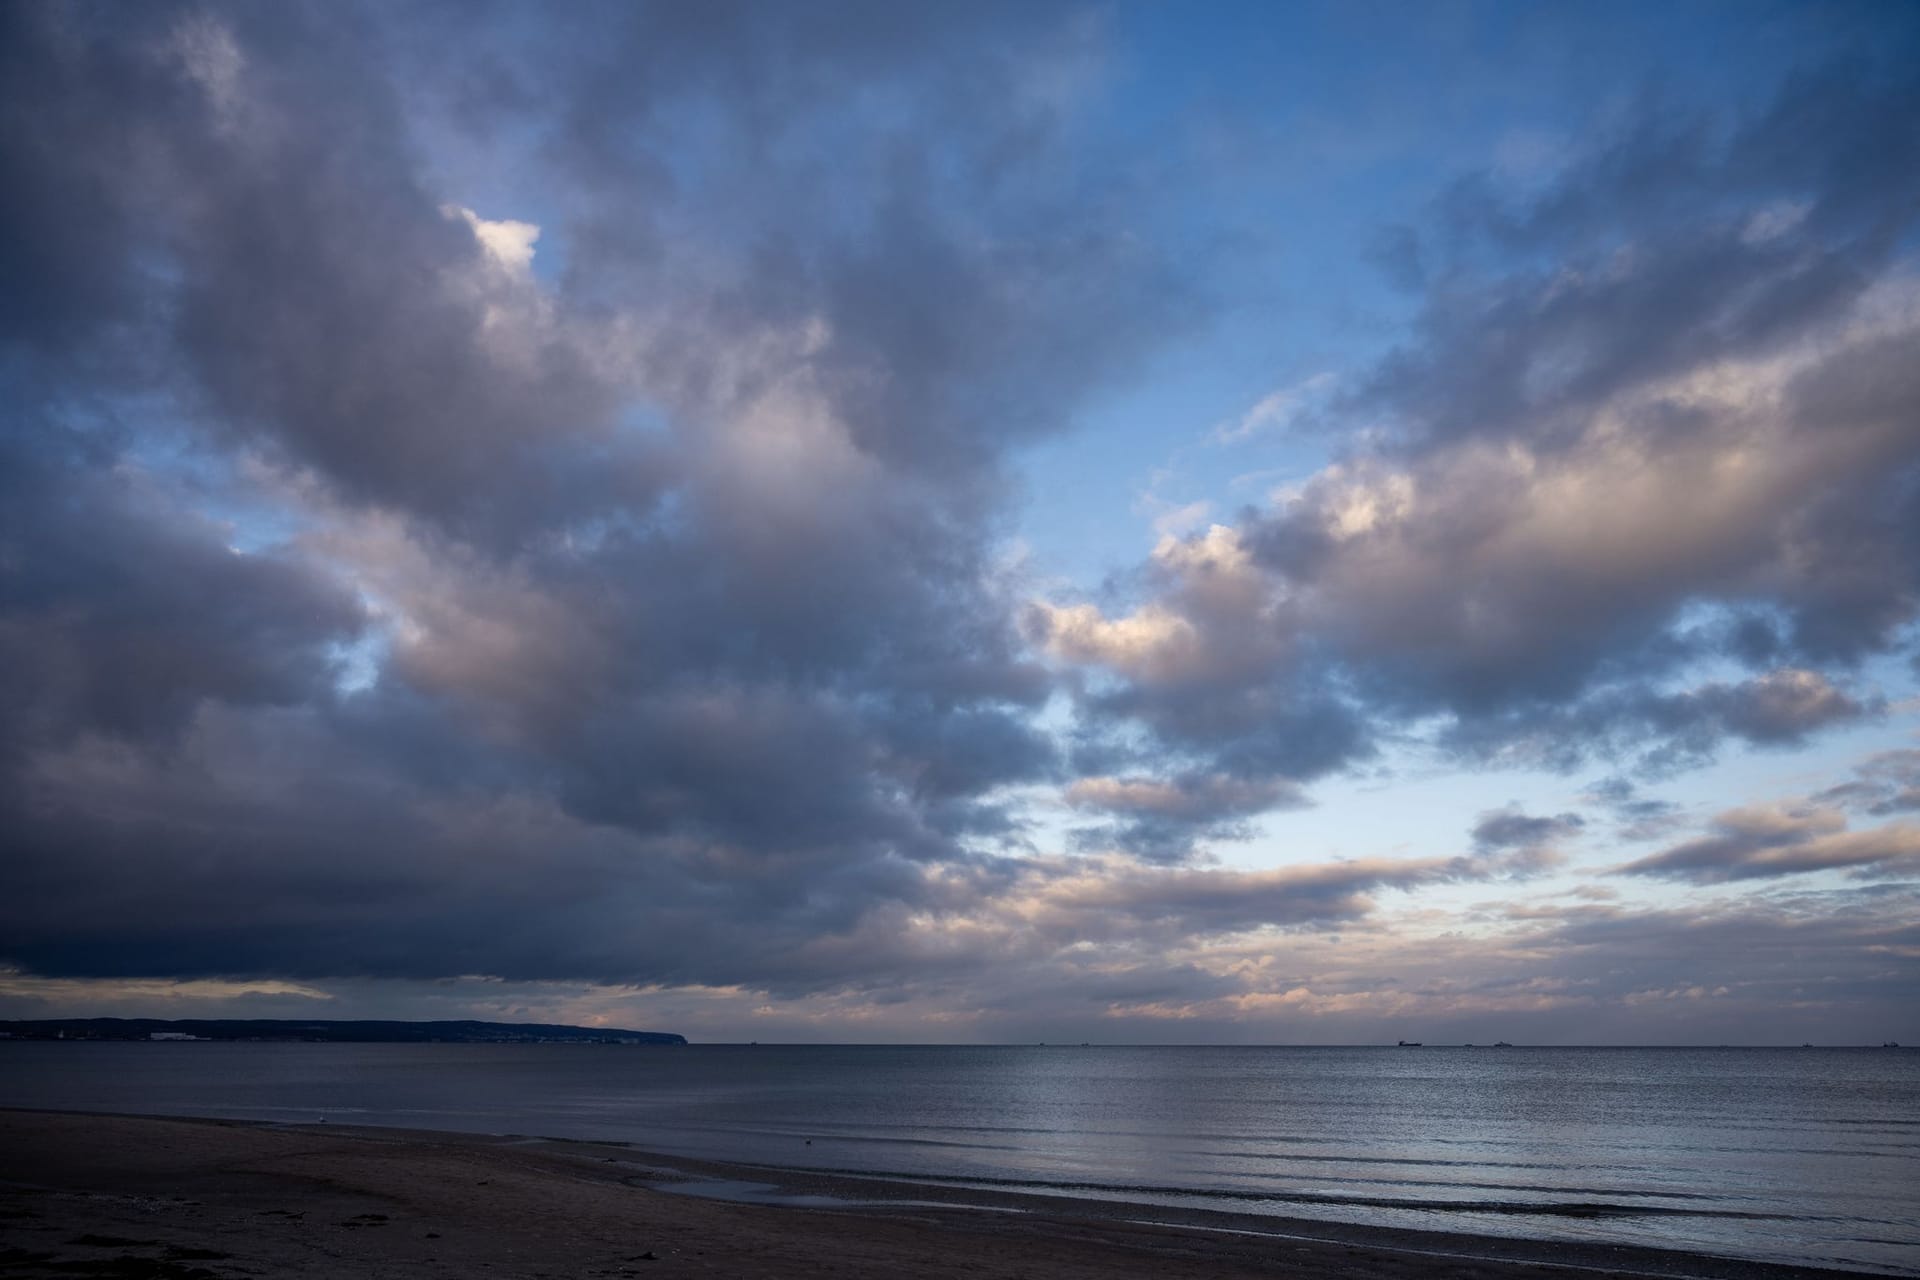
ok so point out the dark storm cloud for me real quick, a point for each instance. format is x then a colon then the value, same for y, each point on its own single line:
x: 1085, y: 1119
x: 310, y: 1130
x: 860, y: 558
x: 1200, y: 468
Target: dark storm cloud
x: 637, y: 622
x: 121, y: 616
x: 234, y: 194
x: 1659, y: 418
x: 286, y: 843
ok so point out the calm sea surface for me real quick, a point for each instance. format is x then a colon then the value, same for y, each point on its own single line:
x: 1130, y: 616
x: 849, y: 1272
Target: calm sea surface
x: 1801, y: 1155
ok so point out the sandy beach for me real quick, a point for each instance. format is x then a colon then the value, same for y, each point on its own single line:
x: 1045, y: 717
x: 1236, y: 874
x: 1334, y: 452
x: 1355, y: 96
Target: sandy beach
x: 205, y: 1199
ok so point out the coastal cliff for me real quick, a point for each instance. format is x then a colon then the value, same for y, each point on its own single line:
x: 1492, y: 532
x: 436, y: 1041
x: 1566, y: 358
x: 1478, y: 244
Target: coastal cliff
x: 326, y: 1031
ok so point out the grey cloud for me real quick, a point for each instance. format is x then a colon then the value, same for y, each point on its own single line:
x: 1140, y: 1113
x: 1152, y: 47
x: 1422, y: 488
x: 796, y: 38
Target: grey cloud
x: 1296, y: 732
x: 1549, y: 539
x: 689, y: 657
x: 1682, y: 240
x: 1093, y: 902
x: 1167, y: 819
x: 1700, y: 975
x: 1764, y: 950
x: 1662, y: 732
x: 243, y: 177
x: 1179, y: 904
x: 1504, y: 829
x: 1560, y: 974
x: 1253, y: 749
x: 119, y: 616
x: 1512, y: 828
x: 1758, y: 843
x: 1552, y: 973
x: 1781, y: 707
x: 270, y: 845
x: 1884, y: 784
x: 975, y: 273
x: 1640, y: 817
x: 1188, y: 796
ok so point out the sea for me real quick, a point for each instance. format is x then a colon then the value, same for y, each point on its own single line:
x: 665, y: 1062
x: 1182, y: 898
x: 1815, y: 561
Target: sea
x: 1808, y: 1156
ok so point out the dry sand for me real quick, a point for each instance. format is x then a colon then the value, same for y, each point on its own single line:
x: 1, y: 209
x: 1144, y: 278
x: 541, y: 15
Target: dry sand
x: 131, y: 1197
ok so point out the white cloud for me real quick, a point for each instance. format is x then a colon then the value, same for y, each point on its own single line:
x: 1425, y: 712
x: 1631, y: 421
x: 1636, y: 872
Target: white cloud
x: 206, y: 51
x: 1276, y: 409
x: 1174, y: 521
x: 1146, y: 642
x: 507, y: 242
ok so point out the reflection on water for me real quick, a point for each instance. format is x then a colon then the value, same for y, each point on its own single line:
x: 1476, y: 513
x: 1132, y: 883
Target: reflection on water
x: 1804, y: 1155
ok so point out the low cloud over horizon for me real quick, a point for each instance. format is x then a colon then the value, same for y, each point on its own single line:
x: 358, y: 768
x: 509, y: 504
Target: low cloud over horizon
x: 862, y: 522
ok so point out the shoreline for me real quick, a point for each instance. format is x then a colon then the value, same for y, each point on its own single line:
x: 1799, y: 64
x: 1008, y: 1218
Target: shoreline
x: 202, y: 1199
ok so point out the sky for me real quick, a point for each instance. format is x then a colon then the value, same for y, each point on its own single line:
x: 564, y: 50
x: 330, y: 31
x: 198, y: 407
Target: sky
x: 965, y: 522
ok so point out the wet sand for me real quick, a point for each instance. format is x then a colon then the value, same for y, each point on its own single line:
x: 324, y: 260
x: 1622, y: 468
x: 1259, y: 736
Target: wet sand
x: 168, y: 1199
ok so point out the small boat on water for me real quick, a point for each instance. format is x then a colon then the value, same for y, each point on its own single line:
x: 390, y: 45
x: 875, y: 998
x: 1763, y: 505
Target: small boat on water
x: 1891, y: 1044
x: 1410, y: 1044
x: 1501, y: 1044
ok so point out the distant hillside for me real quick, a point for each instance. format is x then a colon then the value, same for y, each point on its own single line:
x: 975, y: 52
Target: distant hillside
x: 326, y: 1030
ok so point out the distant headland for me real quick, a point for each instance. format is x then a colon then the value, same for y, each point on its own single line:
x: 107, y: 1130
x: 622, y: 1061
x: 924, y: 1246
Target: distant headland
x: 322, y: 1030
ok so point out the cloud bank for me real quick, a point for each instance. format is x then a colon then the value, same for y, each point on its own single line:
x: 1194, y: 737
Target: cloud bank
x: 595, y: 580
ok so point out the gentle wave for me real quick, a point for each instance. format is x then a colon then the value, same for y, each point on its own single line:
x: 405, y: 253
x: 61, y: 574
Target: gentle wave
x: 1150, y: 1193
x: 1775, y: 1155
